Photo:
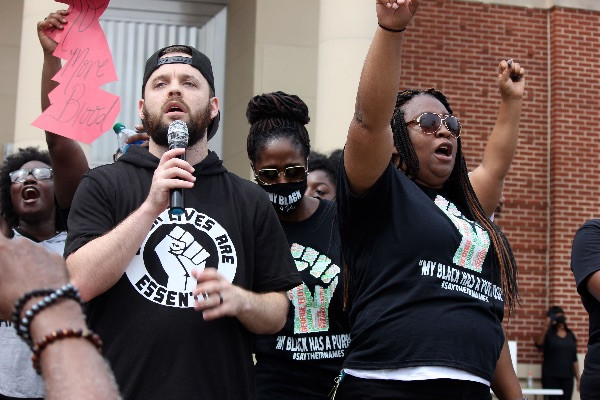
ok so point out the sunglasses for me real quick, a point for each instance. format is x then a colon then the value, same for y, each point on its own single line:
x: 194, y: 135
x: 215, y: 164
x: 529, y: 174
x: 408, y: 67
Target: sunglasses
x: 21, y: 175
x: 431, y: 122
x: 269, y: 176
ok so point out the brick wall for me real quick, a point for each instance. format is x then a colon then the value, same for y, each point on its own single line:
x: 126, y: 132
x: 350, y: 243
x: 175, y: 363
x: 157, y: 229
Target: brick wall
x: 575, y: 171
x: 554, y: 182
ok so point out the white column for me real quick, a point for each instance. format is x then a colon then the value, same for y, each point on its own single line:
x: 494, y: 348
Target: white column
x: 30, y: 71
x: 346, y: 28
x: 10, y: 40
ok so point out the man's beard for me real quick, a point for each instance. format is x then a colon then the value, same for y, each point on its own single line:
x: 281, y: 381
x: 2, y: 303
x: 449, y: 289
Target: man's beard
x: 158, y: 130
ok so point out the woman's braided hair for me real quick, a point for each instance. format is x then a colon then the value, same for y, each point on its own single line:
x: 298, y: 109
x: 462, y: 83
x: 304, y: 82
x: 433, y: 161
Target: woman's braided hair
x: 459, y: 189
x: 277, y: 115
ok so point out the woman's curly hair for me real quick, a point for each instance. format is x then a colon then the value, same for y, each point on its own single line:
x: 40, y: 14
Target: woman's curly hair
x: 12, y: 163
x: 319, y: 161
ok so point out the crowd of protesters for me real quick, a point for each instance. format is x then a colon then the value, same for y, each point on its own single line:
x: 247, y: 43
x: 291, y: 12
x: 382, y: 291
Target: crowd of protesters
x: 331, y: 276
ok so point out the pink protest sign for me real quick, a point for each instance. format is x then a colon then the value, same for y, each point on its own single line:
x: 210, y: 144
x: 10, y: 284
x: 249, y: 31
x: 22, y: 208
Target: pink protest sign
x: 79, y: 109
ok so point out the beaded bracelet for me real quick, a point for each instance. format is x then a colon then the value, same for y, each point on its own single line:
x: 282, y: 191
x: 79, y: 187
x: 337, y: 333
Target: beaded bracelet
x: 67, y: 291
x: 24, y: 299
x: 50, y: 338
x: 385, y: 28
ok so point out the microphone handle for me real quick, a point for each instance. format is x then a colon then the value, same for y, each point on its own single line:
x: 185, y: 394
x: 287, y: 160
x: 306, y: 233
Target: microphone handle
x: 176, y: 206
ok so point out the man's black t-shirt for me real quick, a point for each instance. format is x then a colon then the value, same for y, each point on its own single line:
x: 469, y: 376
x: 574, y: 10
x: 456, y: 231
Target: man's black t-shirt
x: 585, y: 261
x: 423, y: 289
x: 303, y: 359
x: 158, y: 346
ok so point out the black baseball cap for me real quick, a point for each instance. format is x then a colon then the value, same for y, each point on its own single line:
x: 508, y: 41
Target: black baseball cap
x: 197, y: 60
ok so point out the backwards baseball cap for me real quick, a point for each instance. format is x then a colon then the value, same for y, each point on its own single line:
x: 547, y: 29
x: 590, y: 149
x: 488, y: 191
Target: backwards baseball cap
x: 197, y: 60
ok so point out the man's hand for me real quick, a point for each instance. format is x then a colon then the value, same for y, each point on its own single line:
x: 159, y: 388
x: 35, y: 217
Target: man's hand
x: 396, y: 14
x: 511, y: 80
x: 26, y: 266
x: 172, y: 173
x: 55, y: 20
x: 216, y: 297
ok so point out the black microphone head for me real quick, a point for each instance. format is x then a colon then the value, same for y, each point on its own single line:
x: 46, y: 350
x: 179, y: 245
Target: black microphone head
x: 177, y: 135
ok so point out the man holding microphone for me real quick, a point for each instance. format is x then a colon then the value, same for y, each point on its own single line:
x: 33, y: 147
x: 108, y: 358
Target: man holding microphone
x: 177, y: 297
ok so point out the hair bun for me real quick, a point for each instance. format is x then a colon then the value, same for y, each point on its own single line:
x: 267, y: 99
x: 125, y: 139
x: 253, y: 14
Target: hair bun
x: 277, y: 105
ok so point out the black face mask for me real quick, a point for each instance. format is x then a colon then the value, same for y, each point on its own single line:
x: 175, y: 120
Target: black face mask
x: 285, y: 197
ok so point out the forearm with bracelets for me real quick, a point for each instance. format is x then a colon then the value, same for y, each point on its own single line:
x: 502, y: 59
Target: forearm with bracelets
x: 50, y: 306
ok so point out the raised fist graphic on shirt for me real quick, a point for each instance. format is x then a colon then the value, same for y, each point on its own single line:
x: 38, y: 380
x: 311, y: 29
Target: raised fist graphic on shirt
x: 179, y: 253
x: 311, y: 309
x: 475, y: 241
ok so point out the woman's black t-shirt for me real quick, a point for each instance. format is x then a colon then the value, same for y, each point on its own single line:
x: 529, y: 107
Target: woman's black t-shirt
x: 303, y: 359
x: 422, y: 286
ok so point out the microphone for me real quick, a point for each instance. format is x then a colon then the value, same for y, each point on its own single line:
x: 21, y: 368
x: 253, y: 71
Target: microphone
x: 177, y: 137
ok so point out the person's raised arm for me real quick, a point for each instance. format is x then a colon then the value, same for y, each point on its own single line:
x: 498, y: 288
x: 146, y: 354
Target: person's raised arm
x: 488, y: 178
x: 72, y: 367
x: 68, y: 160
x: 100, y: 263
x: 369, y: 145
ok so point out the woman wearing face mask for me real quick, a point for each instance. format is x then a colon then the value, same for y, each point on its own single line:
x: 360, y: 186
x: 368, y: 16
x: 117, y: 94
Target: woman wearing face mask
x: 303, y: 359
x: 559, y: 345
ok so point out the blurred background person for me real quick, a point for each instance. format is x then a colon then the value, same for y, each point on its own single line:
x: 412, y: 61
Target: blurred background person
x: 559, y: 345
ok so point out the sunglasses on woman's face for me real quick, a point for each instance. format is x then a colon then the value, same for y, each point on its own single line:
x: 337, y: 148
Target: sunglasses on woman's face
x: 430, y: 123
x: 21, y: 175
x: 270, y: 176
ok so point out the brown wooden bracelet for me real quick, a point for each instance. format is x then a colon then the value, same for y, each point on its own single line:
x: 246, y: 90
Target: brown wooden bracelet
x: 52, y: 337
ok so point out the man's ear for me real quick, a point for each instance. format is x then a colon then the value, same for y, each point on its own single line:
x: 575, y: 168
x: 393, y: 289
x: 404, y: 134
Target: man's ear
x: 141, y: 109
x: 214, y: 107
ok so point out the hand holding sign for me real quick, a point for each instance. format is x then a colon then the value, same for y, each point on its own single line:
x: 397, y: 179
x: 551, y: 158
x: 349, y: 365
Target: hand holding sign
x: 51, y: 22
x: 80, y: 110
